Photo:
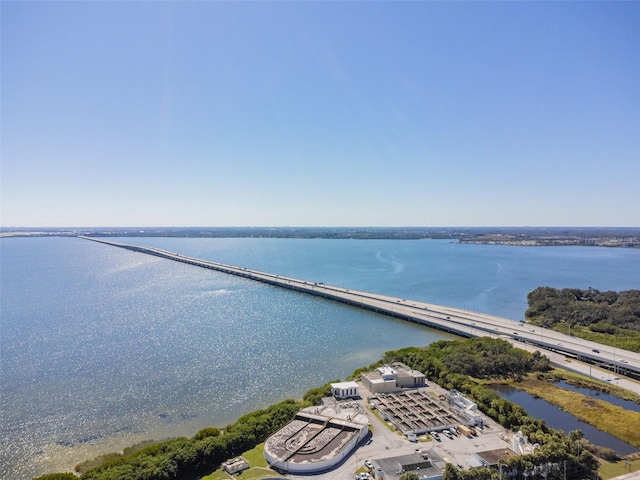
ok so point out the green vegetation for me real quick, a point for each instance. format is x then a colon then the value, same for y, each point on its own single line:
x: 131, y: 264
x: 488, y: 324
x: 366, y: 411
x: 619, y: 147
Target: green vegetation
x: 207, y: 432
x: 482, y: 357
x: 259, y: 467
x: 108, y: 457
x: 606, y: 417
x: 579, y: 380
x: 453, y: 364
x: 442, y: 363
x: 315, y: 395
x: 183, y: 458
x: 409, y: 476
x: 186, y: 459
x: 610, y: 318
x: 618, y: 468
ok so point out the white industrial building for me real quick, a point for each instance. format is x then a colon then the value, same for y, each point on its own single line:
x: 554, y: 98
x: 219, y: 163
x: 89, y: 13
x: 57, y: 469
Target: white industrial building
x: 391, y: 378
x: 345, y: 390
x: 465, y: 406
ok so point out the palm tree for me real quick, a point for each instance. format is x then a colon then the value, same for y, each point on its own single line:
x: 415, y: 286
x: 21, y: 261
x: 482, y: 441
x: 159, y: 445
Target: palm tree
x: 409, y: 476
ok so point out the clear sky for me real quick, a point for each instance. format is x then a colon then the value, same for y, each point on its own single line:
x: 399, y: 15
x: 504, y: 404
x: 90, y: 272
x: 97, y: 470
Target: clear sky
x: 320, y: 113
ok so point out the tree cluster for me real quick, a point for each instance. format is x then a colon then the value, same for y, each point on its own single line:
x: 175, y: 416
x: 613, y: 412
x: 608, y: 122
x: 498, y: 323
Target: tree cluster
x: 482, y: 357
x: 601, y: 311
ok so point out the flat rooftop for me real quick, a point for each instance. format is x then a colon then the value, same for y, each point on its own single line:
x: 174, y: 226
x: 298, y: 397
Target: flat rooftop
x: 492, y: 457
x: 426, y: 464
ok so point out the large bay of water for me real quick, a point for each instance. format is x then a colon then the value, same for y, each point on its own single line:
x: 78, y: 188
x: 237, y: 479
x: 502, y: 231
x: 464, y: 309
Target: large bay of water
x: 102, y: 347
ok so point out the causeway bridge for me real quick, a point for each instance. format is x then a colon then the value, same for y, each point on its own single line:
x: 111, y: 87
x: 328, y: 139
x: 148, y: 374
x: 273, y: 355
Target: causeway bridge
x: 460, y: 322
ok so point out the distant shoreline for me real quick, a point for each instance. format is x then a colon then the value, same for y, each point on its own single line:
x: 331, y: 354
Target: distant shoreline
x: 616, y: 237
x: 611, y: 242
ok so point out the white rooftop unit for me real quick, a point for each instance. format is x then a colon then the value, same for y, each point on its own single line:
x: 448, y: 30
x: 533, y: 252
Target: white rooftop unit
x: 387, y: 372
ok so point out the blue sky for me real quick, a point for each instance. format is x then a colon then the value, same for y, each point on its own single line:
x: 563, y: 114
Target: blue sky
x: 320, y: 114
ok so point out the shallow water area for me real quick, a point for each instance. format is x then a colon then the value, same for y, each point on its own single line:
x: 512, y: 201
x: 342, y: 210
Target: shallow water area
x: 127, y: 346
x: 103, y: 347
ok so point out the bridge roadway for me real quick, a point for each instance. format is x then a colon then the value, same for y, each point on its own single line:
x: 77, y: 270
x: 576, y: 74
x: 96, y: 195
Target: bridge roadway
x: 454, y: 320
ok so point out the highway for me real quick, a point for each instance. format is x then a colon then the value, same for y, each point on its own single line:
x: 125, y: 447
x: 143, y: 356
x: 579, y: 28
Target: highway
x: 454, y: 320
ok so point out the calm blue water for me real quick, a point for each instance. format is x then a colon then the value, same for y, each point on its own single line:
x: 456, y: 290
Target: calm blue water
x: 102, y: 347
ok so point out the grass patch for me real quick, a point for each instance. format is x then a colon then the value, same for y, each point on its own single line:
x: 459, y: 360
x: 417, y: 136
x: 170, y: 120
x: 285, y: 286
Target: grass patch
x: 253, y: 473
x: 255, y: 456
x: 259, y: 467
x: 604, y: 416
x: 615, y: 469
x: 217, y: 475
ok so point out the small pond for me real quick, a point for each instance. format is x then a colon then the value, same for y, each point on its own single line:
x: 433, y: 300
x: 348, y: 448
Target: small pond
x: 559, y: 419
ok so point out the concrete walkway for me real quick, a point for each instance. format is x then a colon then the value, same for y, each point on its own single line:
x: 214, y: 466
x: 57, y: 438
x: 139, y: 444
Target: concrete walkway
x: 628, y: 476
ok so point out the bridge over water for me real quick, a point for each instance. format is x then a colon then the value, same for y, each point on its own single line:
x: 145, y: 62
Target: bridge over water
x: 461, y: 322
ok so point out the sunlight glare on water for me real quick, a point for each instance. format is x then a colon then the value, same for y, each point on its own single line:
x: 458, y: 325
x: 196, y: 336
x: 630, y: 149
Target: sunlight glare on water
x: 103, y: 347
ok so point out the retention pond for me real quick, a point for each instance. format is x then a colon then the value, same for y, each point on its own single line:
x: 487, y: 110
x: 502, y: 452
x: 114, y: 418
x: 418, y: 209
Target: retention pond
x: 559, y: 419
x: 607, y: 397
